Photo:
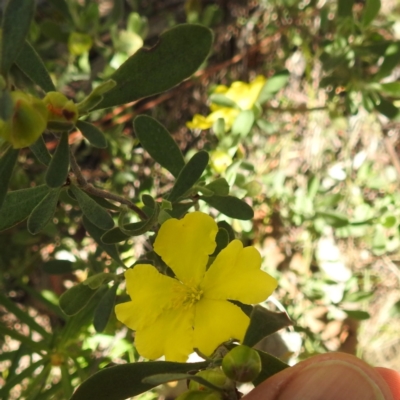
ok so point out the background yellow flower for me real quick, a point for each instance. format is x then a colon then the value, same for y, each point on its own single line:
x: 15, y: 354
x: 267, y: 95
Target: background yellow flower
x: 243, y: 94
x: 174, y: 316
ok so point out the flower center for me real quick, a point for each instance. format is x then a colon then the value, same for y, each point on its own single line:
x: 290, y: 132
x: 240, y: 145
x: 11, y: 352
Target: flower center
x: 186, y: 296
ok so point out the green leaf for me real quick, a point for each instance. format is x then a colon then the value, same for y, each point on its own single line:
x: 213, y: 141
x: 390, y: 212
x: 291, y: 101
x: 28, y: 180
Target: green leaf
x: 96, y: 233
x: 75, y: 299
x: 7, y: 163
x: 101, y: 201
x: 345, y: 8
x: 93, y: 134
x: 263, y: 323
x: 390, y: 61
x: 387, y: 108
x: 270, y: 366
x: 222, y: 100
x: 62, y: 7
x: 357, y: 314
x: 230, y: 206
x: 95, y: 281
x: 189, y: 175
x: 273, y: 86
x: 243, y: 123
x: 219, y: 186
x: 95, y: 97
x: 139, y: 228
x: 160, y: 379
x: 32, y: 66
x: 228, y: 228
x: 59, y: 165
x: 157, y: 141
x: 96, y: 214
x: 391, y: 89
x: 18, y: 204
x: 178, y: 54
x: 123, y: 381
x: 43, y: 212
x: 105, y: 309
x: 55, y: 267
x: 17, y: 19
x: 6, y: 104
x: 222, y: 240
x: 40, y: 151
x: 333, y: 218
x: 370, y: 11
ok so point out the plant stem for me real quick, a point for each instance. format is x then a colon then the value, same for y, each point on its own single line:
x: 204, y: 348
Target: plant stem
x: 89, y: 188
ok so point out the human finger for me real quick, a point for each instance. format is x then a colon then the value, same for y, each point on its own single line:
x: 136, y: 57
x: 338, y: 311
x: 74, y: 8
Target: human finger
x: 332, y: 376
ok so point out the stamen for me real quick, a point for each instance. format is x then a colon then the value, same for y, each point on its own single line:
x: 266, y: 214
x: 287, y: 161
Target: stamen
x: 186, y: 296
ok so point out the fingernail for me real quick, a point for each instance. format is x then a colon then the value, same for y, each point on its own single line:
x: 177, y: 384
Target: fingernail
x: 331, y: 380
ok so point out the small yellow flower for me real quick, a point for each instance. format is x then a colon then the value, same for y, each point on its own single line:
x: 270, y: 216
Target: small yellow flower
x: 173, y: 316
x: 243, y: 94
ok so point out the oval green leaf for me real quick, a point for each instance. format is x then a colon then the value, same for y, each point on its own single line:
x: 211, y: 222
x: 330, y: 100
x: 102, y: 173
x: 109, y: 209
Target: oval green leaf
x: 7, y: 163
x: 40, y: 151
x: 263, y: 323
x: 93, y: 134
x: 96, y: 214
x: 178, y: 54
x: 270, y: 366
x: 59, y: 165
x: 33, y: 67
x: 95, y: 281
x: 370, y: 11
x: 158, y: 142
x: 123, y: 381
x: 17, y: 19
x: 219, y: 186
x: 189, y: 175
x: 105, y: 309
x: 43, y: 212
x: 96, y: 233
x: 75, y: 299
x: 18, y: 204
x: 230, y: 206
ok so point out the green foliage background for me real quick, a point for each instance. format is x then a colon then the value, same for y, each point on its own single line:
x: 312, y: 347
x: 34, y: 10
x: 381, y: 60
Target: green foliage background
x: 312, y: 182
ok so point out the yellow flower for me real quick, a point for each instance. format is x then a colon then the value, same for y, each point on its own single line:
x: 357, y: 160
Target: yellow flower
x: 174, y: 316
x: 244, y: 95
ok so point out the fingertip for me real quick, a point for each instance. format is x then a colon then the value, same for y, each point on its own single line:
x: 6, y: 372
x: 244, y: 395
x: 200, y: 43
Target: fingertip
x: 392, y: 378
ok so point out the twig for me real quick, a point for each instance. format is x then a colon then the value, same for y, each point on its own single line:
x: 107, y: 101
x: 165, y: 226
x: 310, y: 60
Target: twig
x: 89, y: 188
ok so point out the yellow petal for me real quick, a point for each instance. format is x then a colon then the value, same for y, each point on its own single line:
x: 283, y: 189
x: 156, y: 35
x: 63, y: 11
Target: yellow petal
x: 171, y: 335
x: 236, y: 275
x: 228, y: 114
x: 185, y: 245
x: 151, y: 293
x: 199, y: 122
x: 217, y: 321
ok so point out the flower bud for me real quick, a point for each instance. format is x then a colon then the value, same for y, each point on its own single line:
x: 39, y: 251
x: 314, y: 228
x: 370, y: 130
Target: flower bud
x: 220, y: 161
x: 200, y: 395
x: 60, y: 109
x: 215, y: 376
x: 27, y: 121
x: 242, y: 364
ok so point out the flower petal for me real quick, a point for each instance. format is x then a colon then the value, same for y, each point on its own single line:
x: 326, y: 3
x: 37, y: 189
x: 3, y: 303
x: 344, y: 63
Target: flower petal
x: 236, y: 275
x: 217, y: 321
x: 199, y: 122
x: 185, y: 245
x: 171, y: 335
x: 151, y: 293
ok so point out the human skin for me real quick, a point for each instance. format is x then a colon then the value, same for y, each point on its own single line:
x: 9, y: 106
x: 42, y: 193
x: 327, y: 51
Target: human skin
x: 332, y: 376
